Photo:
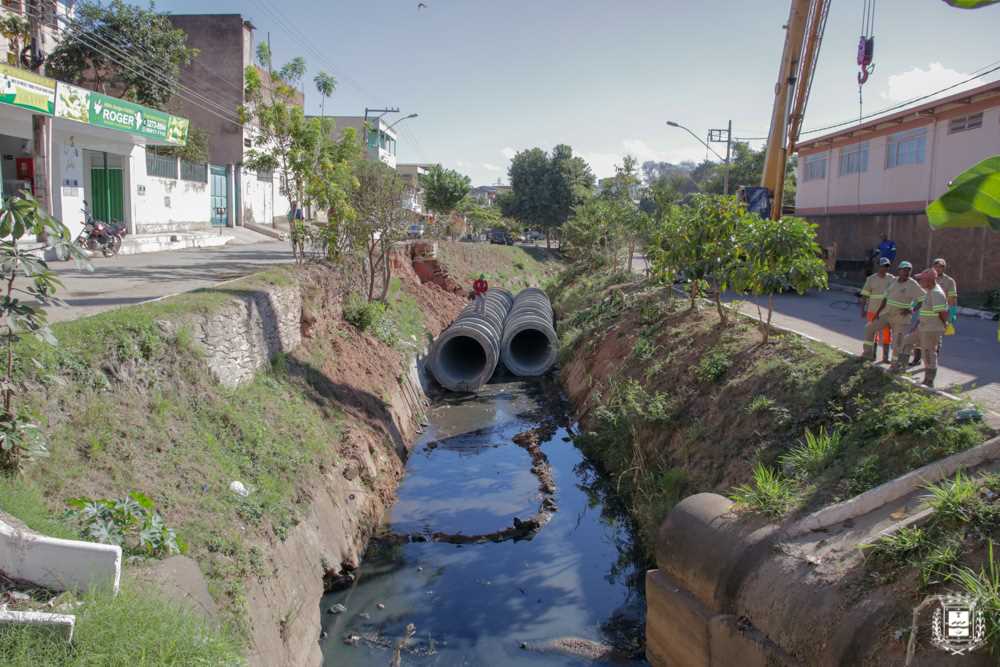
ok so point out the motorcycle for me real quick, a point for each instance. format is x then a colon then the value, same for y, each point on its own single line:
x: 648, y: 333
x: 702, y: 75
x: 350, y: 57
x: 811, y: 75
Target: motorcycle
x: 97, y: 235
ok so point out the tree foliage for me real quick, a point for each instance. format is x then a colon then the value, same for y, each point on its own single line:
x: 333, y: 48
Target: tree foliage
x: 444, y: 189
x: 545, y: 190
x: 24, y: 273
x: 122, y: 50
x: 778, y: 255
x: 379, y: 222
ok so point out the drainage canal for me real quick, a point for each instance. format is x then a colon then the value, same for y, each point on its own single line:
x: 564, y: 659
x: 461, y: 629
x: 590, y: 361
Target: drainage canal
x: 502, y: 549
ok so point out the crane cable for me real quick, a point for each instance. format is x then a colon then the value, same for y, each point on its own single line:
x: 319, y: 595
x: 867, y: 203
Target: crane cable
x: 866, y: 54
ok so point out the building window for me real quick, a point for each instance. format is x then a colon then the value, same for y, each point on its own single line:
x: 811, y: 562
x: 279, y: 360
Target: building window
x: 906, y: 148
x: 247, y: 143
x: 193, y: 171
x: 12, y: 5
x: 815, y: 168
x: 853, y: 159
x: 962, y: 123
x: 162, y: 166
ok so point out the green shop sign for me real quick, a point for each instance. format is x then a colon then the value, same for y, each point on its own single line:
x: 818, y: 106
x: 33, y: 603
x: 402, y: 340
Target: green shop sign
x: 27, y: 90
x: 86, y: 106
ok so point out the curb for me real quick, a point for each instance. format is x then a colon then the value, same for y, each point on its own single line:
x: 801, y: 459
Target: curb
x: 57, y: 623
x: 895, y: 489
x: 266, y: 231
x: 59, y: 564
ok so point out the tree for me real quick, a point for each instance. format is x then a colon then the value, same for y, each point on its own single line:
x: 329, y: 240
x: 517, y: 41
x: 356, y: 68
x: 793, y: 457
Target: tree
x: 329, y: 186
x: 479, y: 218
x: 545, y: 190
x: 113, y: 48
x: 21, y: 217
x: 444, y: 189
x: 325, y: 85
x: 701, y: 240
x: 379, y: 221
x: 571, y: 182
x: 632, y: 222
x: 17, y: 31
x: 594, y: 236
x: 779, y: 255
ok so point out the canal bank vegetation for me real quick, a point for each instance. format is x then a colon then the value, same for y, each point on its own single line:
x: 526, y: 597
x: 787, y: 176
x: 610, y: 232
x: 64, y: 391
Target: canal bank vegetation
x: 677, y: 398
x: 131, y: 413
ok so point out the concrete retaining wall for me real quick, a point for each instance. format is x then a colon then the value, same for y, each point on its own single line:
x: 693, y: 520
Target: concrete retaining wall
x: 243, y: 336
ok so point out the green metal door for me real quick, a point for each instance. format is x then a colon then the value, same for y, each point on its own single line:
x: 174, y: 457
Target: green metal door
x: 108, y: 195
x: 220, y: 187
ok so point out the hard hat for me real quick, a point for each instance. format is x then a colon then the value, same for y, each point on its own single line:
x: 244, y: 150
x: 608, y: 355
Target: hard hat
x: 905, y: 265
x: 885, y: 261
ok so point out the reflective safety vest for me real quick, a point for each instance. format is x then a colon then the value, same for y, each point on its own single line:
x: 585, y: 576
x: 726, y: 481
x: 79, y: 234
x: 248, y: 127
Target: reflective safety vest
x: 902, y: 295
x: 935, y: 302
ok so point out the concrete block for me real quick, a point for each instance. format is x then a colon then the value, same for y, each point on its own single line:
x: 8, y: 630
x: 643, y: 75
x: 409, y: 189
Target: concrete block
x: 60, y: 624
x: 704, y: 546
x: 59, y: 564
x: 732, y: 642
x: 677, y: 624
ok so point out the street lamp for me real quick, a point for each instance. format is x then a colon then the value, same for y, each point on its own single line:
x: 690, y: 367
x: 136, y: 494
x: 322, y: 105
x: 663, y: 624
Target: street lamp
x: 412, y: 115
x: 724, y: 160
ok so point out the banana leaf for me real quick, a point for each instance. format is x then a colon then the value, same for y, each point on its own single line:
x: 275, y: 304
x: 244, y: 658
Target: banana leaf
x: 971, y: 4
x: 972, y: 199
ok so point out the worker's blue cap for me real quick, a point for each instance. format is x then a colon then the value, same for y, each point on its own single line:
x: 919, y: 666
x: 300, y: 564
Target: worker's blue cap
x: 885, y: 261
x: 905, y: 265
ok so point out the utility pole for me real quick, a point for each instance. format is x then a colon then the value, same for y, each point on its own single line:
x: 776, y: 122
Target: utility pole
x: 715, y: 136
x: 41, y: 125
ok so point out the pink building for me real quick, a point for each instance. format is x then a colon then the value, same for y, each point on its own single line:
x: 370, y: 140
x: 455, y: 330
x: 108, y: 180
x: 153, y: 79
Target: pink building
x: 879, y: 176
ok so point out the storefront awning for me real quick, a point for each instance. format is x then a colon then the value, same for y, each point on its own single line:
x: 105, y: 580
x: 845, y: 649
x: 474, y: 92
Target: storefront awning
x: 37, y: 94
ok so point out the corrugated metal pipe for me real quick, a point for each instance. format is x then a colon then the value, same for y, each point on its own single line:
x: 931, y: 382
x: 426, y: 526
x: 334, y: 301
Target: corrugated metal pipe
x: 464, y: 357
x: 529, y: 346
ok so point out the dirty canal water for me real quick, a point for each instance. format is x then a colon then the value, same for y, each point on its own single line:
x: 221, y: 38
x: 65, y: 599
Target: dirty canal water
x: 566, y: 591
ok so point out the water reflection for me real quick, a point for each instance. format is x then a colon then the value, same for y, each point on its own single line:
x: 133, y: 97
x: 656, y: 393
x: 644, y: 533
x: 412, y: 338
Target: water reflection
x: 480, y: 604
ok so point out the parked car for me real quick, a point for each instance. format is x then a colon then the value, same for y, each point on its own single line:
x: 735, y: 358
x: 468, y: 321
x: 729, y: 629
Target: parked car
x: 501, y: 237
x: 534, y: 235
x: 415, y: 231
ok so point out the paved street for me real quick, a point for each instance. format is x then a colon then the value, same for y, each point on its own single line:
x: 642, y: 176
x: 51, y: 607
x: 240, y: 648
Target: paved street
x: 970, y: 360
x: 130, y: 279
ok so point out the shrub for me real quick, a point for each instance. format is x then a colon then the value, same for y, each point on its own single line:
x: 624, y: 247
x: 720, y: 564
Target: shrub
x: 760, y: 403
x: 813, y: 454
x: 131, y: 522
x: 955, y: 499
x: 770, y: 493
x: 364, y: 315
x: 713, y: 366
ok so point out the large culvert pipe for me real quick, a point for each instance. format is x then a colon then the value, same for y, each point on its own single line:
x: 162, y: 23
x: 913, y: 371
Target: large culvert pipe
x: 529, y: 345
x: 466, y: 354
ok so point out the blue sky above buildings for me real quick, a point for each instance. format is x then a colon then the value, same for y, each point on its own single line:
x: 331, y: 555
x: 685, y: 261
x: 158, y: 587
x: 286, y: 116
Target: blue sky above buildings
x: 490, y: 78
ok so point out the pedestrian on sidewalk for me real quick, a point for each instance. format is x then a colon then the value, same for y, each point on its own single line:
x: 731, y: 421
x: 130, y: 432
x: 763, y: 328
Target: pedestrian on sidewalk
x: 901, y: 295
x: 872, y: 297
x: 933, y: 320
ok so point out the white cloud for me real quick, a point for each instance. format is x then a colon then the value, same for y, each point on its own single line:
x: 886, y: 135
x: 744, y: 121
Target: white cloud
x: 508, y: 152
x: 460, y: 163
x: 918, y: 82
x: 491, y: 167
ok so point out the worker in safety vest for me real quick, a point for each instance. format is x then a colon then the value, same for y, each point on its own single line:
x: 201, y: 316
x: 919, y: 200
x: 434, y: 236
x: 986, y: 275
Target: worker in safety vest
x: 901, y: 295
x: 933, y: 320
x: 872, y: 296
x: 950, y: 289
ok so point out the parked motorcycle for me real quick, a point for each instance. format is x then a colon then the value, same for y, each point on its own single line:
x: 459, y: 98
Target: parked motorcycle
x: 97, y: 235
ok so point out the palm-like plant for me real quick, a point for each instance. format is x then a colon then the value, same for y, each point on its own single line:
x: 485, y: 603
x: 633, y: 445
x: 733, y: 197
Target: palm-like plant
x: 325, y: 85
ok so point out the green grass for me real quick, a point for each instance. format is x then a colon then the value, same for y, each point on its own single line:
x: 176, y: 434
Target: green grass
x: 24, y: 500
x: 814, y: 453
x: 769, y: 493
x: 135, y: 629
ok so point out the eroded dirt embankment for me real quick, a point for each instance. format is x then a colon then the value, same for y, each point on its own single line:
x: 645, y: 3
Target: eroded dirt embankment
x: 379, y: 390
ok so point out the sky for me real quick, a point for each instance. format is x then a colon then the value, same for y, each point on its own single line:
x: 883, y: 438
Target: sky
x: 490, y: 78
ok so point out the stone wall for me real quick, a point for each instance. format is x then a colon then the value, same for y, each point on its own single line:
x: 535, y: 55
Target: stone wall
x: 242, y: 336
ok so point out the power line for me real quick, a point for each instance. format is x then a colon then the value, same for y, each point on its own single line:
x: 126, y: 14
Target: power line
x: 993, y: 68
x: 136, y: 65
